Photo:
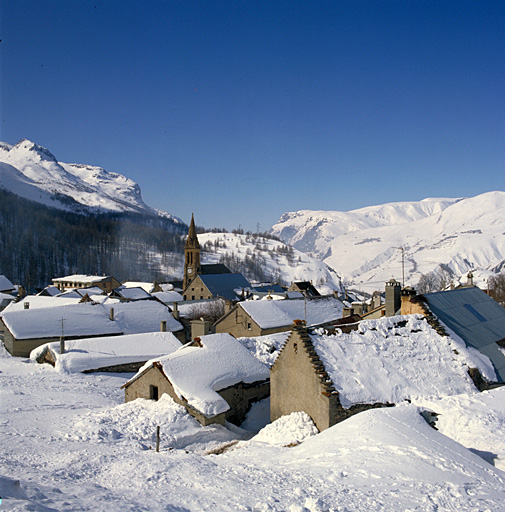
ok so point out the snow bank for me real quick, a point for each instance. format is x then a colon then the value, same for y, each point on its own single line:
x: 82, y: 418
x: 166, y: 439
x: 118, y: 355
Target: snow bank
x: 287, y: 430
x: 135, y: 423
x: 93, y: 353
x: 393, y: 359
x: 475, y: 421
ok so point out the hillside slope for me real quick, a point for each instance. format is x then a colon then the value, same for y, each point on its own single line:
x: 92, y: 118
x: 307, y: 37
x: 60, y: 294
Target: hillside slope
x: 264, y: 259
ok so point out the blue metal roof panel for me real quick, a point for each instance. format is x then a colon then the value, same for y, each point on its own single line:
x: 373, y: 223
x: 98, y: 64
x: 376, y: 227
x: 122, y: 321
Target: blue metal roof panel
x: 476, y: 318
x: 224, y: 285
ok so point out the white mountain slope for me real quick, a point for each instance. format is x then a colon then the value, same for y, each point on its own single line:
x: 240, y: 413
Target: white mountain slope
x: 275, y: 258
x: 363, y: 245
x: 87, y: 185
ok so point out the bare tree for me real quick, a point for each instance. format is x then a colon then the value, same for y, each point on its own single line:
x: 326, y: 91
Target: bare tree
x: 497, y: 288
x: 211, y: 311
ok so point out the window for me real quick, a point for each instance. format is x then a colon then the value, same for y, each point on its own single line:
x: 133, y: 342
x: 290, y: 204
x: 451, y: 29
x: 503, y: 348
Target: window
x: 249, y: 326
x: 153, y: 392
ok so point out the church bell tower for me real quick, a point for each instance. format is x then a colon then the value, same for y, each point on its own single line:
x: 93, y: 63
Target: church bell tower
x: 192, y: 265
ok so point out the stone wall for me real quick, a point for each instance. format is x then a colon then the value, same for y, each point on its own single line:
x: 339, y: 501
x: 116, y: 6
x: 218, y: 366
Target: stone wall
x: 240, y: 397
x: 298, y: 382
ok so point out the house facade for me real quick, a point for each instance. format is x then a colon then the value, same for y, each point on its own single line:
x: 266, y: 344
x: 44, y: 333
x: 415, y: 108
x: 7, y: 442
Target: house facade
x: 225, y: 379
x: 105, y: 283
x: 261, y: 317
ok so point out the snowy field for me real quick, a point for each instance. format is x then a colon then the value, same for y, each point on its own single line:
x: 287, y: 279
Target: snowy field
x: 70, y: 443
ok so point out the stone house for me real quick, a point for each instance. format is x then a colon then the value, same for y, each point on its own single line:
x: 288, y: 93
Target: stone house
x: 334, y: 376
x: 105, y: 283
x: 214, y: 377
x: 48, y: 318
x: 261, y: 317
x: 26, y: 329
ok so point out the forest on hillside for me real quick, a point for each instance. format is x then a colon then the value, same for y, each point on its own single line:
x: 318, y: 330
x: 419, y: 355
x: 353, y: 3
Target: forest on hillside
x: 38, y: 243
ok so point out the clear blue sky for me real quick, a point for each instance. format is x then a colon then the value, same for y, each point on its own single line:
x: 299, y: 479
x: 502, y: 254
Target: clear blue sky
x: 241, y: 110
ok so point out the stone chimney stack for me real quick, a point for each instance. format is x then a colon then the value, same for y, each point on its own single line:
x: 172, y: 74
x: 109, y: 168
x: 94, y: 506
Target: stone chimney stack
x: 111, y: 314
x: 163, y: 326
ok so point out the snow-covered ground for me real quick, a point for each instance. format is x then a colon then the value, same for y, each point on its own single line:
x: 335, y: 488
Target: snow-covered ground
x: 70, y: 443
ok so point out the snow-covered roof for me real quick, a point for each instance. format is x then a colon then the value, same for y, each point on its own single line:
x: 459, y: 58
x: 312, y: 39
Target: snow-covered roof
x: 84, y: 319
x: 198, y: 372
x: 148, y: 287
x: 92, y: 353
x: 392, y: 359
x: 50, y: 291
x: 5, y: 284
x: 168, y: 297
x: 142, y: 316
x: 41, y: 302
x: 133, y: 293
x: 269, y: 314
x: 81, y: 278
x: 81, y: 292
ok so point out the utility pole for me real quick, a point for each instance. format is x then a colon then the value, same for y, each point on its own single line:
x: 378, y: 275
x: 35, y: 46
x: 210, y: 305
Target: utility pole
x: 403, y: 265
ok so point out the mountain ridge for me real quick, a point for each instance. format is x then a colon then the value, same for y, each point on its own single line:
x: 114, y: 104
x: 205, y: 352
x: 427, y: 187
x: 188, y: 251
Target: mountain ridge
x: 364, y: 245
x: 74, y: 187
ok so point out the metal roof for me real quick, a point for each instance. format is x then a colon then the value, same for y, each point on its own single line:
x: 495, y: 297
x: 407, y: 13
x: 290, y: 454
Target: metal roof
x: 476, y: 318
x: 227, y: 286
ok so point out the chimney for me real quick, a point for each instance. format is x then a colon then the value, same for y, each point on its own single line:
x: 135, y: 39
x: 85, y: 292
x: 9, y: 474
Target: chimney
x: 62, y: 345
x: 163, y: 326
x: 111, y: 314
x: 175, y: 310
x: 393, y: 297
x: 200, y: 328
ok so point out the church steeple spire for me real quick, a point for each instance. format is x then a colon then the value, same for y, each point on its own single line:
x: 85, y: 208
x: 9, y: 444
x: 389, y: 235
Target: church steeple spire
x: 192, y: 265
x: 192, y: 240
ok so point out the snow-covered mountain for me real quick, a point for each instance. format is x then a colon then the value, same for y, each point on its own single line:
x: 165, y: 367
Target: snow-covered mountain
x: 276, y: 260
x: 31, y: 171
x: 363, y: 245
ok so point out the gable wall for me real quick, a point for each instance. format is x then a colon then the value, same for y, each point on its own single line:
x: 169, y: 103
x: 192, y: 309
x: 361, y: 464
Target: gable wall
x: 197, y: 290
x: 140, y: 388
x: 236, y: 322
x: 296, y: 386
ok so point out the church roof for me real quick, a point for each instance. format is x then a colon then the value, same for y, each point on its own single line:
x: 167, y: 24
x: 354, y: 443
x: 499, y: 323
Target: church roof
x: 215, y: 268
x: 226, y: 286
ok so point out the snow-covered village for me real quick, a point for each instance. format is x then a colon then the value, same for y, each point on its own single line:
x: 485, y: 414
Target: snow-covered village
x: 217, y: 392
x: 252, y: 256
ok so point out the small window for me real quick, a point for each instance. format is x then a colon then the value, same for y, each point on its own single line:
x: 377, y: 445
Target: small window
x: 153, y: 392
x: 249, y: 326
